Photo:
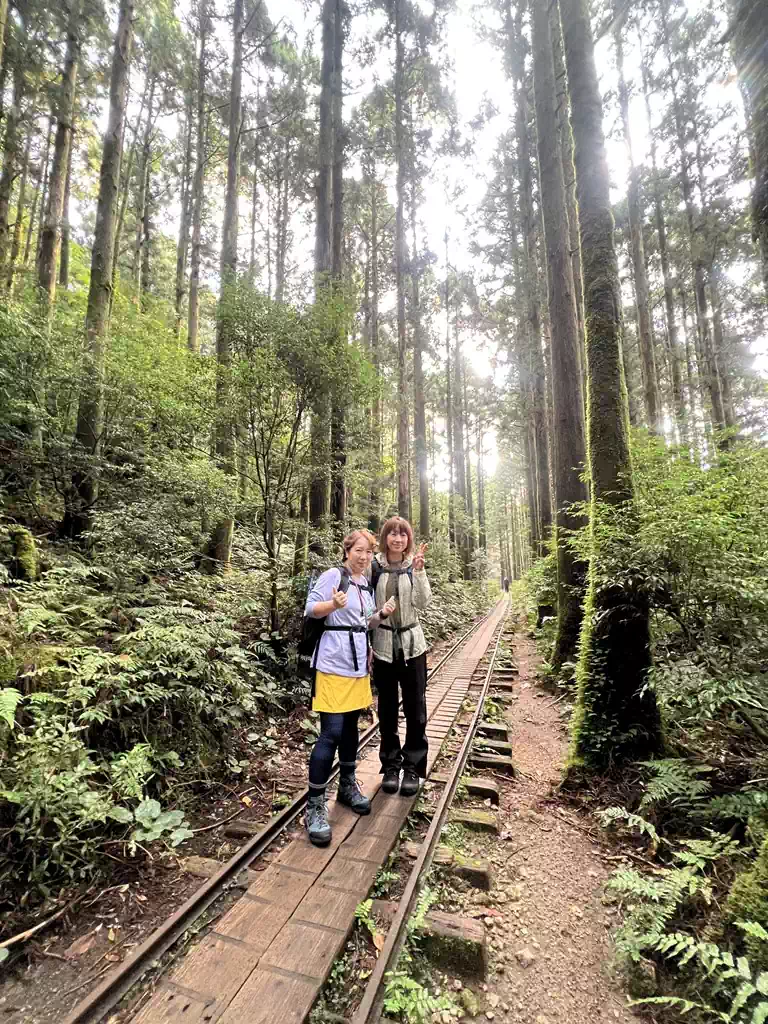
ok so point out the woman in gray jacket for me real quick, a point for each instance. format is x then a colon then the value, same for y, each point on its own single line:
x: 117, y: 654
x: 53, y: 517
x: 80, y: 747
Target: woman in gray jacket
x: 400, y: 656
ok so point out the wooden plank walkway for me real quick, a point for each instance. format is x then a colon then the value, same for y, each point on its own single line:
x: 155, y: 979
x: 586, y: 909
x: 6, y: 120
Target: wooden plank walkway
x: 267, y: 958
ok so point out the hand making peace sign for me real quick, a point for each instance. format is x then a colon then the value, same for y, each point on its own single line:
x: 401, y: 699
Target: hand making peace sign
x: 418, y: 558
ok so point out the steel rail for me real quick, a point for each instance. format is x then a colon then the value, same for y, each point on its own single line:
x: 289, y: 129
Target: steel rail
x: 106, y: 995
x: 370, y: 1007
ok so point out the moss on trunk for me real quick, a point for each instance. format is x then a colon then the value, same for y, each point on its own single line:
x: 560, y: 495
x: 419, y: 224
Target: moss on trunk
x: 616, y: 715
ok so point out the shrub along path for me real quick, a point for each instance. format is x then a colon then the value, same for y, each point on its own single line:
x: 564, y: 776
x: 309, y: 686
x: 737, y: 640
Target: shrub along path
x: 549, y: 931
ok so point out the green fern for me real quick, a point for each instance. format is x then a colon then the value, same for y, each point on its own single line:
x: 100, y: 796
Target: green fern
x: 675, y: 782
x: 10, y: 699
x: 612, y: 815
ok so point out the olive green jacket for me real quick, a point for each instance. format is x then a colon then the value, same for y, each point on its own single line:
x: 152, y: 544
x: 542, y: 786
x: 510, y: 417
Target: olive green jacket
x: 411, y: 598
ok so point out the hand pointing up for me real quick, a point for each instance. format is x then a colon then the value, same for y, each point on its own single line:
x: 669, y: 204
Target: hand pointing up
x: 339, y: 598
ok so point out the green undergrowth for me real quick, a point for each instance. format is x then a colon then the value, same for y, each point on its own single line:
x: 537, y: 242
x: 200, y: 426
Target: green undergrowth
x: 694, y: 917
x: 127, y: 676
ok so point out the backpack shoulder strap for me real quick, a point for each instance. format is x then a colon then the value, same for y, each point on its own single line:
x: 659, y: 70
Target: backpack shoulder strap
x: 344, y: 581
x: 376, y: 571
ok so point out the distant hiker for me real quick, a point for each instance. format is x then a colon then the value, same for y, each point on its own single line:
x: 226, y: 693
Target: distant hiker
x: 506, y: 584
x: 344, y: 599
x: 400, y: 656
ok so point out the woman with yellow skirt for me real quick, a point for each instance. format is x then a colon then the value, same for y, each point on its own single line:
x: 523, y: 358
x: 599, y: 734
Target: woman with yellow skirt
x: 342, y: 682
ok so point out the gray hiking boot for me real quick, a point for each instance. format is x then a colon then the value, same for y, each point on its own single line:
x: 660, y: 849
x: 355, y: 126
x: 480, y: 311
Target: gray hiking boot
x: 316, y: 819
x: 349, y: 794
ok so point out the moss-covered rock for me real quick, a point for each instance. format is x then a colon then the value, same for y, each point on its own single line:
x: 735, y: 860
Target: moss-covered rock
x: 748, y: 901
x: 18, y: 552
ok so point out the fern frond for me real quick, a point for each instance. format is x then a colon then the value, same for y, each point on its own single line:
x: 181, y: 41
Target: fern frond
x: 10, y: 698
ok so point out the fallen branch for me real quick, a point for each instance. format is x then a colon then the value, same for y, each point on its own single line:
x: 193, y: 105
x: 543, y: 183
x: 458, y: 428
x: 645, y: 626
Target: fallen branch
x: 87, y: 981
x: 43, y: 924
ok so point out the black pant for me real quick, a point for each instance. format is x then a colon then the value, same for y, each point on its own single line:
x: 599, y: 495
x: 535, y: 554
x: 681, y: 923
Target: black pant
x: 411, y: 676
x: 337, y: 731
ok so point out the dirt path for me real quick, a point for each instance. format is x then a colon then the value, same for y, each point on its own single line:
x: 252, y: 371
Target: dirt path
x: 551, y: 944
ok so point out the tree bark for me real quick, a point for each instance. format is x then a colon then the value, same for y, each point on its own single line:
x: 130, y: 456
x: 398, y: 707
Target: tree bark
x: 452, y: 537
x: 403, y: 491
x: 373, y: 499
x: 750, y: 46
x: 321, y: 420
x: 19, y: 221
x: 182, y: 247
x: 220, y: 545
x: 10, y: 165
x: 65, y: 225
x: 616, y: 716
x: 90, y: 415
x: 696, y: 241
x: 142, y: 198
x: 482, y: 534
x: 568, y: 439
x: 3, y: 24
x: 338, y: 413
x: 678, y: 397
x: 50, y: 240
x: 639, y: 268
x: 419, y: 400
x: 198, y: 189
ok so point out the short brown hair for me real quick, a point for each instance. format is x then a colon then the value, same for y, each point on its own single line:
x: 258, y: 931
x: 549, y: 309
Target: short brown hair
x: 352, y: 538
x: 402, y: 526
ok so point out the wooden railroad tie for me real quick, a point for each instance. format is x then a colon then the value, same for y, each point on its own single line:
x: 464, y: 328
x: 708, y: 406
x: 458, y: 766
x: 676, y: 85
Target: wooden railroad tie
x: 486, y: 789
x: 494, y: 746
x: 457, y: 944
x: 480, y: 821
x: 474, y: 870
x: 493, y: 762
x: 494, y: 730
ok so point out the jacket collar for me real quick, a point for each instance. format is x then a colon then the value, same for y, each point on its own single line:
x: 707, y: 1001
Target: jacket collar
x: 385, y: 564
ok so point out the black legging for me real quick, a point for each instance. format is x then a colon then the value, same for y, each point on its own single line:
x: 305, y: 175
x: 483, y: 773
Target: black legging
x: 337, y: 731
x: 410, y: 677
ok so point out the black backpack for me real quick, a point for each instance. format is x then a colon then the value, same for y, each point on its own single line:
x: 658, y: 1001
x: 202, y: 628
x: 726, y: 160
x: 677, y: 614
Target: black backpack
x: 313, y: 629
x: 377, y: 570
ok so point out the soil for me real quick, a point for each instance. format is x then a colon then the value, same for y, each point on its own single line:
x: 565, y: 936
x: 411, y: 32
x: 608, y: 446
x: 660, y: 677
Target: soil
x: 548, y: 929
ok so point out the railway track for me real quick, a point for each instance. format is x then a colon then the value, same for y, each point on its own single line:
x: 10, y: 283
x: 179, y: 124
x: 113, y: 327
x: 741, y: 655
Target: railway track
x: 370, y: 1008
x: 106, y: 996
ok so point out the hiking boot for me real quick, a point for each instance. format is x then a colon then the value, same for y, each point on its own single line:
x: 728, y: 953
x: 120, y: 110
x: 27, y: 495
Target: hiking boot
x: 411, y: 782
x: 316, y: 819
x: 349, y: 794
x: 391, y: 781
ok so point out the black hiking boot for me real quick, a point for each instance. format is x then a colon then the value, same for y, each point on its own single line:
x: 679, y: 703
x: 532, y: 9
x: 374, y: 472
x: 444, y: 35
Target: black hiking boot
x: 391, y: 782
x: 316, y: 819
x: 350, y: 795
x: 411, y: 782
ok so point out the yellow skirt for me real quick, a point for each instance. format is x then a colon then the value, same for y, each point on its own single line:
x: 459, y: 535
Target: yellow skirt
x: 341, y: 693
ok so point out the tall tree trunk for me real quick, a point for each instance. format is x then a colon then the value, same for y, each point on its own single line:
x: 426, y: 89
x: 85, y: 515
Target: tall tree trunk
x: 321, y: 419
x: 18, y: 226
x: 126, y: 176
x: 458, y: 446
x: 373, y: 499
x: 50, y: 241
x: 10, y: 165
x: 338, y: 413
x: 403, y: 491
x: 678, y: 397
x: 640, y: 270
x: 182, y: 248
x: 696, y: 241
x: 542, y: 506
x: 3, y: 24
x: 721, y: 354
x: 142, y: 197
x: 220, y: 545
x: 90, y: 414
x: 482, y: 535
x: 419, y: 400
x: 452, y: 537
x: 198, y: 188
x: 65, y: 225
x: 616, y: 716
x: 569, y: 178
x: 471, y: 532
x: 749, y: 32
x: 568, y: 440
